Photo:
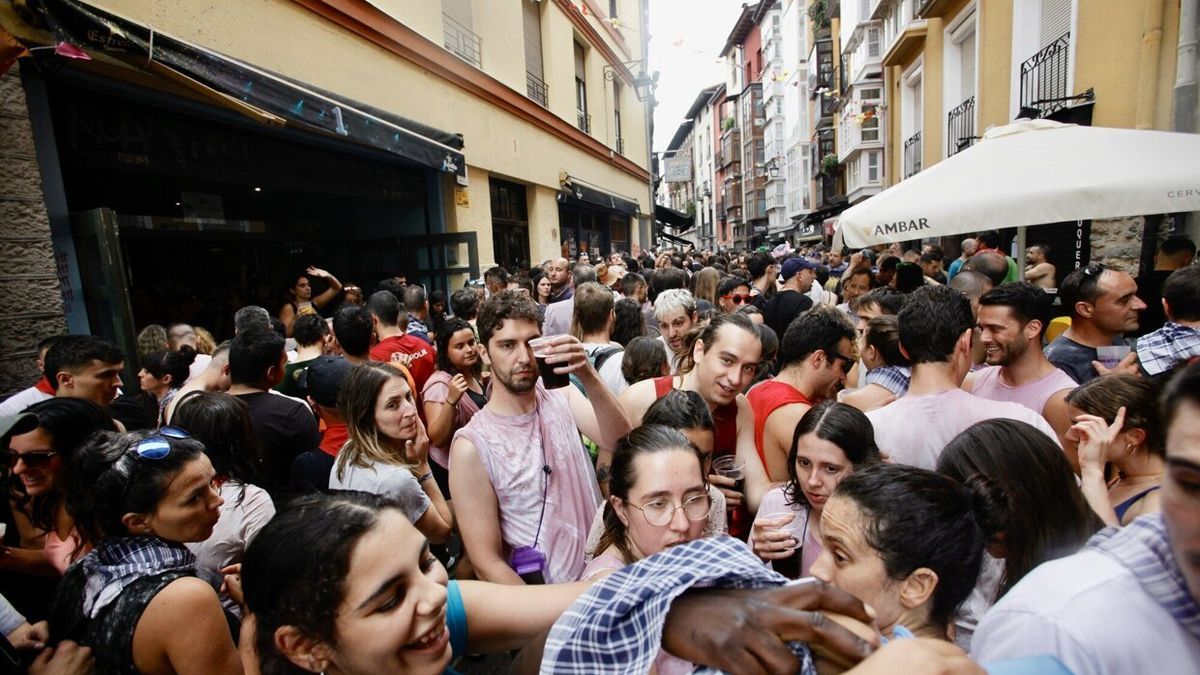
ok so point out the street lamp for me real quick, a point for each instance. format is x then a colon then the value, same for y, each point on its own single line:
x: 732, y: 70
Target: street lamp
x: 643, y: 84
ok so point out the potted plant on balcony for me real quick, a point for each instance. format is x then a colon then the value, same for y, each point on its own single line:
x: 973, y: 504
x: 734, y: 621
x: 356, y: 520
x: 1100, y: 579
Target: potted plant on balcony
x: 818, y: 13
x: 829, y: 163
x: 728, y: 123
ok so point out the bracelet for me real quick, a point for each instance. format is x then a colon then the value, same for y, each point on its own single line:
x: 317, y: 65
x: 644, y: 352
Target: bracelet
x: 424, y: 477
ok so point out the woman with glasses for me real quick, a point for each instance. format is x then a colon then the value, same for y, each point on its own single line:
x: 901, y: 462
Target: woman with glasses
x: 832, y: 440
x: 733, y: 293
x: 135, y: 599
x: 388, y: 450
x: 44, y: 439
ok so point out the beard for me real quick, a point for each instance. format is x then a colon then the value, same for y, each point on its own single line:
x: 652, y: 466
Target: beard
x: 517, y: 383
x: 1008, y: 353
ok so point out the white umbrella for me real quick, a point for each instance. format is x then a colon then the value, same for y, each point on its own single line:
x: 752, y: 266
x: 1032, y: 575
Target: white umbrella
x: 1032, y: 173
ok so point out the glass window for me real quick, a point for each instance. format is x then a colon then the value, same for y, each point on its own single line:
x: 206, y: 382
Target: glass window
x: 872, y: 167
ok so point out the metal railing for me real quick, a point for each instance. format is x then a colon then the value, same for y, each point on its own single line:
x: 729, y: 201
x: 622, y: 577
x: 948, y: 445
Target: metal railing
x: 960, y: 127
x: 460, y: 41
x: 620, y: 145
x: 1044, y: 76
x: 584, y: 121
x: 537, y: 89
x: 912, y: 155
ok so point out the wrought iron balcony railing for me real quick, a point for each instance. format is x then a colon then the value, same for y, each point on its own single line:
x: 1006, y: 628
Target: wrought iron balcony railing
x: 960, y: 127
x: 912, y: 155
x: 460, y: 41
x: 1044, y: 76
x: 620, y: 145
x: 584, y: 121
x: 537, y: 89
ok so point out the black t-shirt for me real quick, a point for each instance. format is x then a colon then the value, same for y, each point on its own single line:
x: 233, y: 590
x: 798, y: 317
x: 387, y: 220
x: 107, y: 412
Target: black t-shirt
x: 1150, y: 291
x: 310, y: 472
x: 785, y: 306
x: 285, y: 429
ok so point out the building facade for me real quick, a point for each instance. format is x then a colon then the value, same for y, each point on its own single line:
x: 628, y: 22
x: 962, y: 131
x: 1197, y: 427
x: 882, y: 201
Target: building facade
x: 154, y: 195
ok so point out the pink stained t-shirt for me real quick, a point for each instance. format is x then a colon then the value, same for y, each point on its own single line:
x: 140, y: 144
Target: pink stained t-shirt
x: 988, y: 384
x: 437, y: 390
x: 914, y: 428
x: 512, y: 450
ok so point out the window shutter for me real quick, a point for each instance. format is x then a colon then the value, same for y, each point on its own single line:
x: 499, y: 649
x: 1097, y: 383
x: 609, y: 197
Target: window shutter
x: 1056, y: 20
x: 533, y: 39
x: 967, y: 66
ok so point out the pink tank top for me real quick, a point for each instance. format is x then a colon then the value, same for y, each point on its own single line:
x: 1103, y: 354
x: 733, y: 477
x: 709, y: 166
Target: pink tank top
x: 512, y: 450
x: 1033, y: 395
x: 58, y: 552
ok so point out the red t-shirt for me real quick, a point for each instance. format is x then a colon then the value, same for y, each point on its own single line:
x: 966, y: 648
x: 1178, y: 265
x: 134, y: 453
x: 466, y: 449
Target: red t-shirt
x: 411, y: 352
x: 765, y: 399
x: 335, y: 437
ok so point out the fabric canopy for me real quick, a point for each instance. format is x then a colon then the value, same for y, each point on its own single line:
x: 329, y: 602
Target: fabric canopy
x: 1033, y: 173
x: 576, y: 191
x: 672, y: 218
x: 257, y: 92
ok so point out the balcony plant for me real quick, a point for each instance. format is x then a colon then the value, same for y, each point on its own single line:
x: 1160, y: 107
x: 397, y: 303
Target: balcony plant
x: 728, y: 123
x: 829, y: 163
x: 818, y: 14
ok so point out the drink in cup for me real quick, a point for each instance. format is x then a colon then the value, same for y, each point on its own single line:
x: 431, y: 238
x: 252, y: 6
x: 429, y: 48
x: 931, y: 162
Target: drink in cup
x: 550, y: 379
x: 1110, y: 356
x: 729, y: 467
x: 789, y: 566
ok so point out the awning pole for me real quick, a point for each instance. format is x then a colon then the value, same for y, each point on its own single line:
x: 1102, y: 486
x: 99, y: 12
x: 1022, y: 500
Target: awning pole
x: 1020, y: 257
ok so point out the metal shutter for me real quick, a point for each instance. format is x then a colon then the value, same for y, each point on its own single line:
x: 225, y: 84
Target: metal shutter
x: 967, y: 66
x: 533, y: 39
x: 1056, y: 20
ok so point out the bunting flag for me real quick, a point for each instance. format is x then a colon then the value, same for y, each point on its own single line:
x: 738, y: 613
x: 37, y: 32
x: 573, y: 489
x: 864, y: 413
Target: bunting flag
x: 70, y: 51
x: 583, y: 9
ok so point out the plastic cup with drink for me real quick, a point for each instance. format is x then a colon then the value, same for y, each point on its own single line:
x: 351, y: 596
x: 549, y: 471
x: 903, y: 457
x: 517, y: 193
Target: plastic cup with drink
x: 550, y: 379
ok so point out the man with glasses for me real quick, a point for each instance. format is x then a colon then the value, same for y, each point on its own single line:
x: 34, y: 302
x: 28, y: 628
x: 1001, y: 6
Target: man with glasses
x: 936, y: 333
x: 1104, y: 305
x: 815, y: 354
x: 732, y: 293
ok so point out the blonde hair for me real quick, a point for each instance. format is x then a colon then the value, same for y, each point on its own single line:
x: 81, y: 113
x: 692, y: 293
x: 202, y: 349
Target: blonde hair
x: 356, y: 403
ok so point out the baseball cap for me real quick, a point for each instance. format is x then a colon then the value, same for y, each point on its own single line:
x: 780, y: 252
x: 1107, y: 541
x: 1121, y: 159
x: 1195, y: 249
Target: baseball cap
x: 21, y: 423
x: 324, y: 377
x: 793, y: 265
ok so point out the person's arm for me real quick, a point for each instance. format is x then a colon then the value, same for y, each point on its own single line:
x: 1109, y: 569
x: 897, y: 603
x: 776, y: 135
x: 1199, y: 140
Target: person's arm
x: 597, y: 412
x: 478, y: 514
x: 26, y: 561
x: 756, y: 479
x: 1038, y: 272
x: 1094, y: 437
x: 205, y: 647
x: 438, y: 521
x: 868, y: 397
x: 493, y: 626
x: 1058, y: 415
x: 441, y: 412
x: 287, y: 315
x: 777, y: 438
x: 330, y: 293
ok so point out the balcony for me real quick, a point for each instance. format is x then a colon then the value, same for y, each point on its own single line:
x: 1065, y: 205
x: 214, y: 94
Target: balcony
x: 1044, y: 77
x: 960, y: 127
x: 460, y: 41
x: 583, y: 121
x: 912, y: 155
x: 537, y: 89
x: 620, y: 145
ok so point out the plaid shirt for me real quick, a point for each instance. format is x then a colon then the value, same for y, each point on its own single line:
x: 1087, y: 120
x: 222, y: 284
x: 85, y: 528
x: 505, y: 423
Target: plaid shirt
x: 1168, y: 347
x: 616, y: 627
x: 893, y: 378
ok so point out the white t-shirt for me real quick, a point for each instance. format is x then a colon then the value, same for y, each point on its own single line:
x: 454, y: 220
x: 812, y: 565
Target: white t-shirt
x: 22, y: 400
x: 1091, y: 613
x: 610, y: 370
x: 914, y: 429
x: 239, y: 524
x: 386, y: 480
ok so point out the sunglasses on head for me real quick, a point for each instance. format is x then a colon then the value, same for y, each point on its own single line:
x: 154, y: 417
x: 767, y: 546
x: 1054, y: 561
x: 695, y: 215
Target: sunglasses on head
x: 159, y: 445
x: 737, y: 298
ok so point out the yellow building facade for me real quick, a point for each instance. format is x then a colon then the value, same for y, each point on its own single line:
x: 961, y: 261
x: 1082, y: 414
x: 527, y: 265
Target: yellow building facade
x: 547, y: 98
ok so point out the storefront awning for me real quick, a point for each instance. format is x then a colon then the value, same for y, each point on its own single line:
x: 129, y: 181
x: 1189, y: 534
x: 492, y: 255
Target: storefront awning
x: 678, y: 240
x: 575, y: 191
x: 672, y: 218
x: 258, y: 93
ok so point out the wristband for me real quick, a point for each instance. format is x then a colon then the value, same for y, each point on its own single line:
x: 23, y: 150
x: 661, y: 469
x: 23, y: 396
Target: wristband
x: 424, y: 477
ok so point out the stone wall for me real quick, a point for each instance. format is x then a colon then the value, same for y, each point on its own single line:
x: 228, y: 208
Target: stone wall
x: 30, y: 298
x: 1117, y: 242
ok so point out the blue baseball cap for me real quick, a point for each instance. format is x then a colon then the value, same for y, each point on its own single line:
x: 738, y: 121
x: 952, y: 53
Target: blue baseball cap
x: 793, y: 265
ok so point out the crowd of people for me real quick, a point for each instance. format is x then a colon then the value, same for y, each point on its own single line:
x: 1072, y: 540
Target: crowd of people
x: 778, y: 461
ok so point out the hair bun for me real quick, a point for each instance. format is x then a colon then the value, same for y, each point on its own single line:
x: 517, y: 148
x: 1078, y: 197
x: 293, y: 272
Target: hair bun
x: 989, y: 504
x: 187, y: 354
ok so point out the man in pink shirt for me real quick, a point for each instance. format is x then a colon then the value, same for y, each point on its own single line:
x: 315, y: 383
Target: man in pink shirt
x: 524, y: 488
x: 936, y: 331
x: 1012, y: 320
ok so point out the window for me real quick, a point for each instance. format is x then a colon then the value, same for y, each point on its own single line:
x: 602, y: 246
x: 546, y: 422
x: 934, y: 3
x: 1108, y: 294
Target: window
x: 872, y: 167
x: 870, y: 94
x: 873, y: 43
x: 581, y: 107
x: 617, y: 117
x: 870, y: 126
x: 612, y: 8
x: 1056, y: 20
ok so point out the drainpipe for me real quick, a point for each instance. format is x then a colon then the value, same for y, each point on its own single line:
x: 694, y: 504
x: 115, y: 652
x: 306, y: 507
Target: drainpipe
x: 1185, y: 68
x: 648, y: 107
x: 1152, y: 22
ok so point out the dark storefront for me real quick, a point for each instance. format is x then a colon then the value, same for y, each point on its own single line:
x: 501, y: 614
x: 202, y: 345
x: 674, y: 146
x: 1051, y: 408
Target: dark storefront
x: 593, y: 221
x: 510, y: 224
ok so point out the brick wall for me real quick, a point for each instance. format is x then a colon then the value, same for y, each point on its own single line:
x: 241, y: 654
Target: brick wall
x: 30, y: 299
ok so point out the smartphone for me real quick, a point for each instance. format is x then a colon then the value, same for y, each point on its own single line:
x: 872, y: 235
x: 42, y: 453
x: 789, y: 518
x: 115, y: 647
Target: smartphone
x: 10, y: 658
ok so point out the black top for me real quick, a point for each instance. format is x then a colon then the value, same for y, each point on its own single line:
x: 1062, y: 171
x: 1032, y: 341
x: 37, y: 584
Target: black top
x: 285, y: 429
x: 110, y: 634
x: 310, y: 472
x: 785, y: 306
x: 1150, y: 291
